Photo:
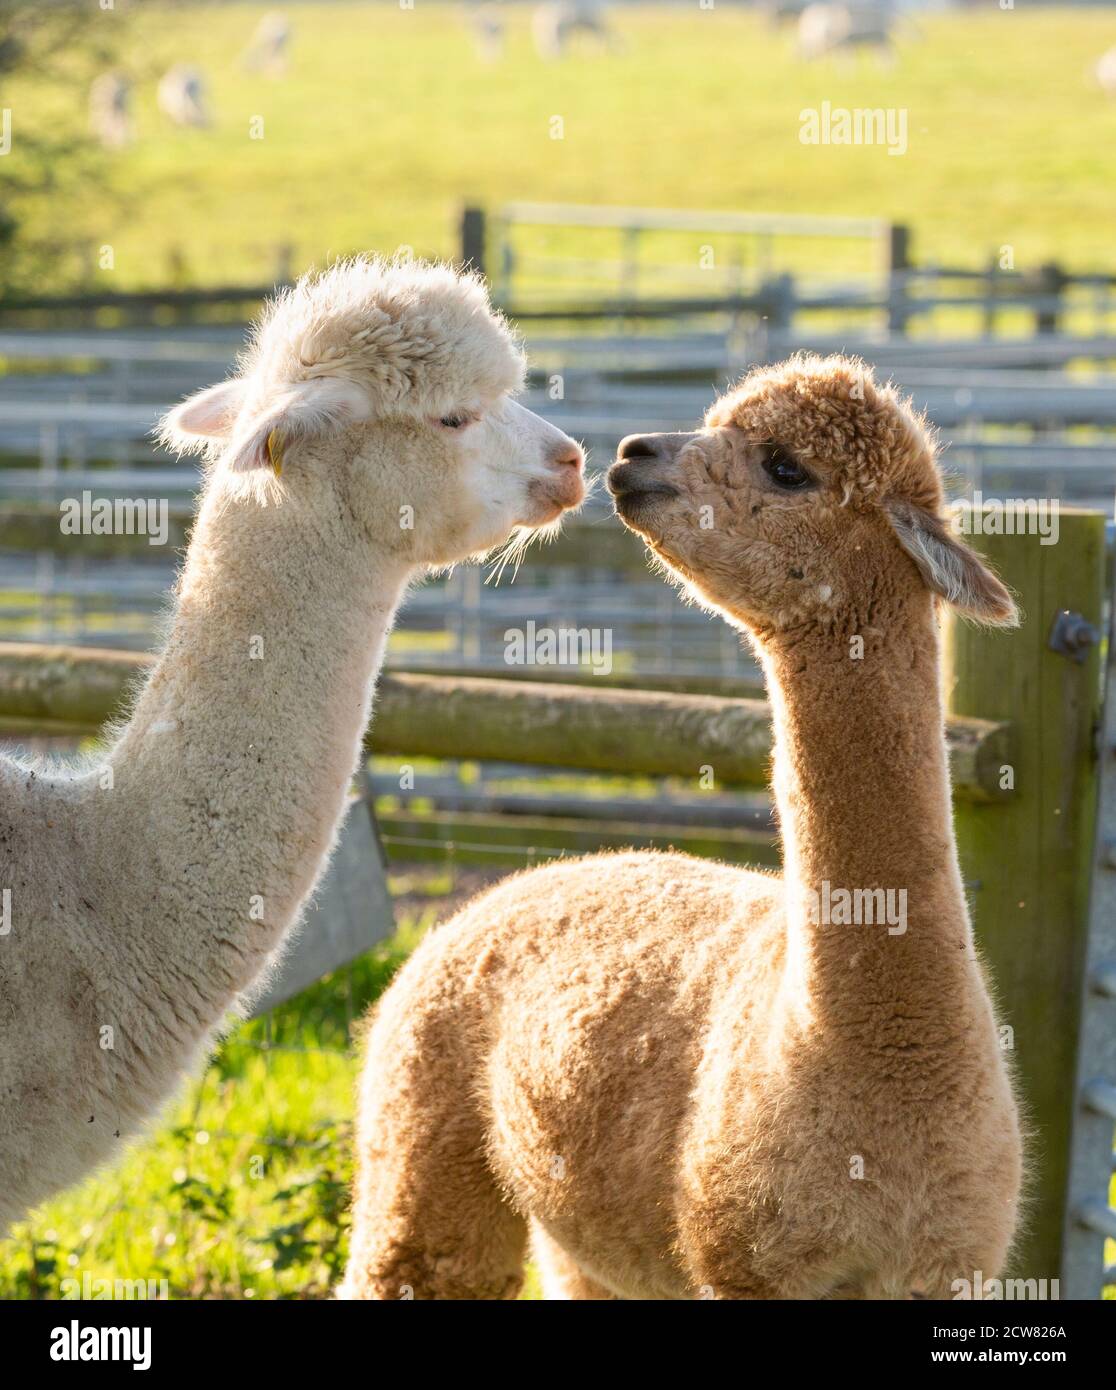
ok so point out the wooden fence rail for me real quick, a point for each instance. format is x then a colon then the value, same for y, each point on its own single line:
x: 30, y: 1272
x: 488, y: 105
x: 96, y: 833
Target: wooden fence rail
x: 75, y: 690
x: 901, y: 292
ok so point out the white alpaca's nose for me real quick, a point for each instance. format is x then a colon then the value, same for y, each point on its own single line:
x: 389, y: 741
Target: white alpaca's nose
x: 567, y: 454
x: 565, y: 462
x: 551, y: 460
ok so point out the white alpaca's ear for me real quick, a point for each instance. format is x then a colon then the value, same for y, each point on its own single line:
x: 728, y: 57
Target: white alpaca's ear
x: 950, y: 568
x: 310, y: 409
x: 208, y: 414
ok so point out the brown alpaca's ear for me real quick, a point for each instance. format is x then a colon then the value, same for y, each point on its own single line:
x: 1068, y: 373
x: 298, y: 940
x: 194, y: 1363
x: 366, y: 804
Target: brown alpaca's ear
x: 950, y: 568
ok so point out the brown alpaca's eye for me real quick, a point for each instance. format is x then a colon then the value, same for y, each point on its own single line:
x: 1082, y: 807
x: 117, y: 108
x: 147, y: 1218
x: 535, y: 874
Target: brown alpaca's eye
x: 783, y: 468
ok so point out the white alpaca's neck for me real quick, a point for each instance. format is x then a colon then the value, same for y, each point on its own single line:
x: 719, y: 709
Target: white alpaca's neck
x: 233, y: 771
x: 861, y: 785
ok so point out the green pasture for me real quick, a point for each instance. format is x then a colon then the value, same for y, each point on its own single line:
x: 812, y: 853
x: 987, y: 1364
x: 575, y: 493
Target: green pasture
x: 389, y: 118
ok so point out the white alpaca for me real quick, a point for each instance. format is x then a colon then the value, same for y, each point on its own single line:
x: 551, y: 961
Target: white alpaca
x: 554, y: 24
x: 830, y: 28
x: 267, y: 50
x: 368, y: 435
x: 110, y: 110
x: 182, y: 96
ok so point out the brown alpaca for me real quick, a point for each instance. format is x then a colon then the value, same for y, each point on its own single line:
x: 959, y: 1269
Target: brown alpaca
x: 690, y: 1080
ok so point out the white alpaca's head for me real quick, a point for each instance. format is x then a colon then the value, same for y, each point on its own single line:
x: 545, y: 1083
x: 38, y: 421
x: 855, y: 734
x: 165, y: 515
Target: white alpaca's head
x: 391, y: 383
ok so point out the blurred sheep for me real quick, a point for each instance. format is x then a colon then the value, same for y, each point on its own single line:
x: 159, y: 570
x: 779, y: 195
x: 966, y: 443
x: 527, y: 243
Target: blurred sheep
x: 110, y: 110
x: 1105, y: 72
x: 487, y: 24
x: 182, y: 96
x: 833, y: 28
x: 554, y: 24
x: 780, y: 12
x: 268, y: 46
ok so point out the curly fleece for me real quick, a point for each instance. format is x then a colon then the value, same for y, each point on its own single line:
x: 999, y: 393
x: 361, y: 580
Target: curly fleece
x: 832, y: 411
x: 680, y: 1079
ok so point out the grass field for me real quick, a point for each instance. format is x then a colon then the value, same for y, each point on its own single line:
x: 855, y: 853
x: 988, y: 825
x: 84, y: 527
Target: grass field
x: 388, y: 119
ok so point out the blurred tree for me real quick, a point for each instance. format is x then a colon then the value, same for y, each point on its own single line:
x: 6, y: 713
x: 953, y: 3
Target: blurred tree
x: 50, y: 53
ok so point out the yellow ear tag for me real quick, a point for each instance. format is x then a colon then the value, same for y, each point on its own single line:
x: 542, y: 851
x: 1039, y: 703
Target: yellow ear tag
x: 275, y: 451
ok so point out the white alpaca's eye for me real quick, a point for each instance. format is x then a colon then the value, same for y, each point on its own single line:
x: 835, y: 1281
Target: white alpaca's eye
x: 454, y: 422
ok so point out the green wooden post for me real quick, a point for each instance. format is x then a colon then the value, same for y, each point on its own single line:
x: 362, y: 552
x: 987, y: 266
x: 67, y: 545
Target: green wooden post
x: 1027, y: 860
x: 898, y: 262
x: 474, y: 236
x: 1051, y: 282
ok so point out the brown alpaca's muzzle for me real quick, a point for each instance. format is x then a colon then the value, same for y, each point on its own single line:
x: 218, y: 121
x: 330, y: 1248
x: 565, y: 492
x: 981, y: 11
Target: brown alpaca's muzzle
x: 645, y: 474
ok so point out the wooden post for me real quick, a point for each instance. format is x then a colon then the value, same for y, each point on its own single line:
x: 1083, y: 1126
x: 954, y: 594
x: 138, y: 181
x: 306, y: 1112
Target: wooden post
x: 1027, y: 861
x: 898, y: 263
x: 1051, y: 281
x: 284, y: 263
x: 473, y: 239
x: 780, y: 298
x: 991, y: 289
x: 351, y: 911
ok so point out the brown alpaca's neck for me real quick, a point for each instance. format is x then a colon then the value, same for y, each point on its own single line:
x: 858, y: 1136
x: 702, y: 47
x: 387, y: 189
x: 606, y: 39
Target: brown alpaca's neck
x: 877, y: 921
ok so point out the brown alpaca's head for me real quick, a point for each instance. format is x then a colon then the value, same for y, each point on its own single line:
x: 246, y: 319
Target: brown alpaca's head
x: 811, y: 495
